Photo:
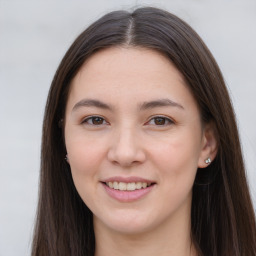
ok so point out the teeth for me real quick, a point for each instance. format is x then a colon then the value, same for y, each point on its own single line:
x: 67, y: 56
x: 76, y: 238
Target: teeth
x: 127, y: 186
x: 131, y: 186
x: 138, y: 185
x: 122, y: 186
x: 115, y: 185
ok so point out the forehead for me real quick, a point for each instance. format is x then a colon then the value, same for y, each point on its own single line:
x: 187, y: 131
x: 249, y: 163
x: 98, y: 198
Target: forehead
x: 130, y: 61
x: 126, y: 54
x: 129, y: 74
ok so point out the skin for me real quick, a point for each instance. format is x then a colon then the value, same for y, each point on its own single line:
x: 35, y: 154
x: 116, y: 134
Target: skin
x: 128, y: 140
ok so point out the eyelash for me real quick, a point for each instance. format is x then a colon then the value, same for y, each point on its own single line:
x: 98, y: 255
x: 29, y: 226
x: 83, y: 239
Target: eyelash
x: 167, y: 121
x: 89, y: 120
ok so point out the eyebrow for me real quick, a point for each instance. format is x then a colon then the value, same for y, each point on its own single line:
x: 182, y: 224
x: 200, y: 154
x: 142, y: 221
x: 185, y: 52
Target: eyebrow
x: 91, y: 103
x: 143, y: 106
x: 160, y: 103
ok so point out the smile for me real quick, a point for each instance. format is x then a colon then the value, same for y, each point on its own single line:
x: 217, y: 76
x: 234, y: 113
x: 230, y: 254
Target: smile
x: 130, y: 186
x: 128, y: 189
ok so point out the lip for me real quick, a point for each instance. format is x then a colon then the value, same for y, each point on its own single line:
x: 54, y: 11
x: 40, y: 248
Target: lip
x: 124, y: 195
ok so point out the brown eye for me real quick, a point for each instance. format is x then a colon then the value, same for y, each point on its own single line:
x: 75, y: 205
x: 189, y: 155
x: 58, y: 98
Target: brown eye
x: 95, y: 120
x: 160, y: 120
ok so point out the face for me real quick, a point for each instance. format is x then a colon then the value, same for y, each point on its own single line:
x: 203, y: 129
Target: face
x: 134, y: 139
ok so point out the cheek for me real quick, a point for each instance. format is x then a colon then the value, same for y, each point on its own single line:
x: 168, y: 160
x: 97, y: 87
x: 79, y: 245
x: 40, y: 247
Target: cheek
x: 177, y: 159
x: 83, y: 163
x: 85, y: 159
x: 85, y: 153
x: 177, y: 165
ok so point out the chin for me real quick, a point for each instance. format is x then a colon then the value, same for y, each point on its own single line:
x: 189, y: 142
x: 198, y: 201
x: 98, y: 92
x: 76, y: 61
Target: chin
x: 128, y: 223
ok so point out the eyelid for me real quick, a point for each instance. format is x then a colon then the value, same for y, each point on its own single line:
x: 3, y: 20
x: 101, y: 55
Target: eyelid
x: 168, y: 119
x: 85, y: 120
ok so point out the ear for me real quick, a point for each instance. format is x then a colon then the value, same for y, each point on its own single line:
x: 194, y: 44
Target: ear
x: 209, y: 145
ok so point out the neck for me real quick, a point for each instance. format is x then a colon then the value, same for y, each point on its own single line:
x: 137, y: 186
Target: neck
x: 172, y: 239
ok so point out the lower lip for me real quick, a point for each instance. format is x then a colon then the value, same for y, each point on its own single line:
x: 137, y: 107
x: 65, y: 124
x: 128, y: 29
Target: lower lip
x: 127, y: 196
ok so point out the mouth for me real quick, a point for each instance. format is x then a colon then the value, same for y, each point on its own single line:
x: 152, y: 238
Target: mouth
x: 128, y: 189
x: 128, y: 186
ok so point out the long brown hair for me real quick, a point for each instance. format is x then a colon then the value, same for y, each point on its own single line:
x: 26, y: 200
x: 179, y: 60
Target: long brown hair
x: 223, y: 220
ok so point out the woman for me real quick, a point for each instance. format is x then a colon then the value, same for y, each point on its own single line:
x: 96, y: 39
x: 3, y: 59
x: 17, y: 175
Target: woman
x: 140, y: 149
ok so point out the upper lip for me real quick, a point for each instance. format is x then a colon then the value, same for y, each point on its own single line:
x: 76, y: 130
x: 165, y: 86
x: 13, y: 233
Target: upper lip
x: 127, y: 179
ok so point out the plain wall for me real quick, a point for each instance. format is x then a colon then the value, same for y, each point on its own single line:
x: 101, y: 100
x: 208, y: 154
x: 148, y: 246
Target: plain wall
x: 34, y: 36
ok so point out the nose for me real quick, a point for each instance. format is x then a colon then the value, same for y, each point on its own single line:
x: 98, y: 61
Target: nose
x: 126, y: 149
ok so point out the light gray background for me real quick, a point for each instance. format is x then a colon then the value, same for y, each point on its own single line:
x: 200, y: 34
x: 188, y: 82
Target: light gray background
x: 34, y: 36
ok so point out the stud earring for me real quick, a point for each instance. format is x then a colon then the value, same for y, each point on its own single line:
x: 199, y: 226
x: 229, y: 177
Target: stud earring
x: 66, y: 158
x: 208, y: 160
